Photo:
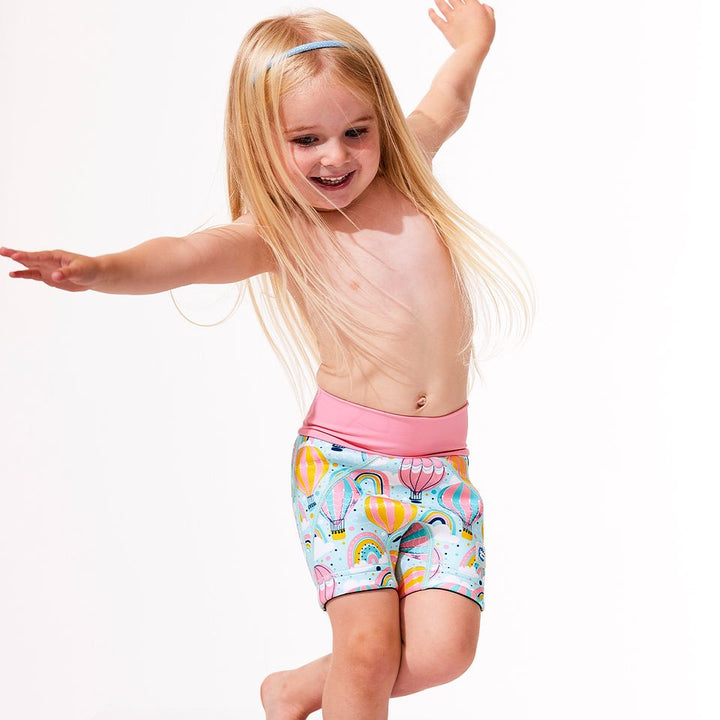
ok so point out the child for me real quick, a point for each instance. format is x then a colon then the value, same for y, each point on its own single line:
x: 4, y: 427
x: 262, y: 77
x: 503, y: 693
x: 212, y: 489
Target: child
x: 375, y: 270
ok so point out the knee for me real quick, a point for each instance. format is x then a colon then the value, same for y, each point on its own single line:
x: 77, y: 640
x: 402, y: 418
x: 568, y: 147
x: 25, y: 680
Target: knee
x: 441, y: 662
x: 372, y: 653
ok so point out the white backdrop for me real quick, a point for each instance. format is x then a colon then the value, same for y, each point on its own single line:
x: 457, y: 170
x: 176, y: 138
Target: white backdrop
x: 142, y: 573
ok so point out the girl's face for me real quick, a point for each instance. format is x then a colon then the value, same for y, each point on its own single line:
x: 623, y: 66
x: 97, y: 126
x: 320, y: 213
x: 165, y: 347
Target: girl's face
x: 330, y: 140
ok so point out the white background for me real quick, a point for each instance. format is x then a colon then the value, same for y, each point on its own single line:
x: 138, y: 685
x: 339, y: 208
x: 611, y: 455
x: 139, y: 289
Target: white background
x: 149, y: 565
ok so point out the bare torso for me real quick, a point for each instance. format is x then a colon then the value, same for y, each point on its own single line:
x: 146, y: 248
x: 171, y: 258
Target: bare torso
x: 399, y: 250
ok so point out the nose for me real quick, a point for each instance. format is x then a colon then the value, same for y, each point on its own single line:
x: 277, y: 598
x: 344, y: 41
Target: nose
x: 334, y: 154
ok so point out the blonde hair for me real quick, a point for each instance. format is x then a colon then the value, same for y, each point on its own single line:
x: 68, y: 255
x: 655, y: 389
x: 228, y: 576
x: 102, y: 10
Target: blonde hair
x: 258, y: 183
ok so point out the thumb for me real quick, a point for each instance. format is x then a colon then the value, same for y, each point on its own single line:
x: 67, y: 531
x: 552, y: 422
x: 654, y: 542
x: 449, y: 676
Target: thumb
x: 78, y: 271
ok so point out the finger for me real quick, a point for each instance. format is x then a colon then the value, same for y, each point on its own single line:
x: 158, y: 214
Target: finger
x: 439, y: 22
x: 28, y: 274
x: 444, y: 7
x: 34, y: 258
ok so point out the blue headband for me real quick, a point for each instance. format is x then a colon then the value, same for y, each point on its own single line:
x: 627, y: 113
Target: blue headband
x: 304, y: 48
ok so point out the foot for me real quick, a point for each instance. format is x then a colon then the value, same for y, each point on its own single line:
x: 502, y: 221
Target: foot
x: 274, y: 697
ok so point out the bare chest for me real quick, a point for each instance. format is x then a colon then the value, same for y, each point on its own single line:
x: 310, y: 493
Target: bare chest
x: 399, y: 281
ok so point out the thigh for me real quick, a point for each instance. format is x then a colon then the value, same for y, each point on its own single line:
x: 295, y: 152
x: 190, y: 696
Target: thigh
x: 439, y: 631
x: 437, y: 618
x: 368, y: 615
x: 366, y: 630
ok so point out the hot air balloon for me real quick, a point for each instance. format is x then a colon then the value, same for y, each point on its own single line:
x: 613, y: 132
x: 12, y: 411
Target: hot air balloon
x: 409, y: 579
x: 325, y: 583
x: 388, y: 514
x: 416, y: 540
x: 311, y: 465
x: 340, y: 498
x: 464, y: 501
x: 461, y: 464
x: 420, y: 474
x: 414, y: 554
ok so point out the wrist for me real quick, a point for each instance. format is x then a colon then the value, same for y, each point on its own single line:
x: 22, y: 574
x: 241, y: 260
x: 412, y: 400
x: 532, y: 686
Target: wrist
x: 106, y: 271
x: 473, y: 53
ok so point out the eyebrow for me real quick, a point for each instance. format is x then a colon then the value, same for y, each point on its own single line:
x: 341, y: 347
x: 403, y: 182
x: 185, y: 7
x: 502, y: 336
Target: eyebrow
x: 312, y: 127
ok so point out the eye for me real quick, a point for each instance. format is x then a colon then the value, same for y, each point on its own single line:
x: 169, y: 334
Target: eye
x: 358, y: 131
x: 301, y: 140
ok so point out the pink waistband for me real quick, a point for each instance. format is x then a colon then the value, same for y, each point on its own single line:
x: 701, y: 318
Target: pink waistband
x: 346, y: 423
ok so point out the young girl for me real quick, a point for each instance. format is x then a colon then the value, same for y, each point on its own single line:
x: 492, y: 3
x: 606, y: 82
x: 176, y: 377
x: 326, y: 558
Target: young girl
x: 371, y: 268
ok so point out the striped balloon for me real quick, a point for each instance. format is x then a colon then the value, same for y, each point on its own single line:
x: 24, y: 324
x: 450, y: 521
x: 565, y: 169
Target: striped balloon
x: 341, y: 497
x: 325, y: 583
x: 390, y: 515
x: 418, y: 474
x: 416, y: 540
x: 411, y: 580
x: 460, y: 463
x: 311, y: 465
x: 464, y: 501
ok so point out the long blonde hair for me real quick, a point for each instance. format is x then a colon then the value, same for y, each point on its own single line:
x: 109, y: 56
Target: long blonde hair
x: 485, y: 269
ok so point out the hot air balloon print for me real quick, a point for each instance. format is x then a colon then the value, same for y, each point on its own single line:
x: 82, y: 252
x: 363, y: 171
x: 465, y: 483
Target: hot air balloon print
x: 311, y: 466
x: 388, y: 514
x: 417, y: 540
x: 461, y: 464
x: 342, y: 495
x: 418, y: 474
x: 415, y: 548
x: 325, y: 583
x: 409, y: 579
x: 464, y: 501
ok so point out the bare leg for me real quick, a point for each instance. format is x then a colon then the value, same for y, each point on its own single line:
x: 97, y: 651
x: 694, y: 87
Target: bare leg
x: 294, y: 694
x: 365, y: 657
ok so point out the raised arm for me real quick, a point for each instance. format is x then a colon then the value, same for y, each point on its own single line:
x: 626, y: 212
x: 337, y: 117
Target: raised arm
x: 469, y: 27
x: 223, y: 254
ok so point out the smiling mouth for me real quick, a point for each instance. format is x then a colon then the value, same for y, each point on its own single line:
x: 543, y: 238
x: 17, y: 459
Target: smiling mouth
x: 334, y: 182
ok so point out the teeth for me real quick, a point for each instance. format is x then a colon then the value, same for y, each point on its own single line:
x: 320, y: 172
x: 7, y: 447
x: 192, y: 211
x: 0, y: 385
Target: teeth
x: 333, y: 181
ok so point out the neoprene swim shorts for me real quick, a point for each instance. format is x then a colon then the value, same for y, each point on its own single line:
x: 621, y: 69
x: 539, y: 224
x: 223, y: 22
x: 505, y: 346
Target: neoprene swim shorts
x: 383, y: 500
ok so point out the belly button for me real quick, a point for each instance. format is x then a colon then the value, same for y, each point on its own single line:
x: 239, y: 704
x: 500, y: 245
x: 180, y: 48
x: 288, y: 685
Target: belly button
x: 422, y: 400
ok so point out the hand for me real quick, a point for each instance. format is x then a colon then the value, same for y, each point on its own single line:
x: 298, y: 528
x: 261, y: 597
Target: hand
x: 57, y: 268
x: 467, y: 23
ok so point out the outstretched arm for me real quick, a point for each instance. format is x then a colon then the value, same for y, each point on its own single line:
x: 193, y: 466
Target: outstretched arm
x: 224, y: 254
x: 469, y: 27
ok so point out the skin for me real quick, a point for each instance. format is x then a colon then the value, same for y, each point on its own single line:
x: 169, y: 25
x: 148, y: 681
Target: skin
x: 426, y: 653
x: 333, y: 146
x: 469, y: 28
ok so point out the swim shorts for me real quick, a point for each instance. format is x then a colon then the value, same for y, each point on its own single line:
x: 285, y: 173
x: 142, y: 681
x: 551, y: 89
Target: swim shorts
x: 389, y: 515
